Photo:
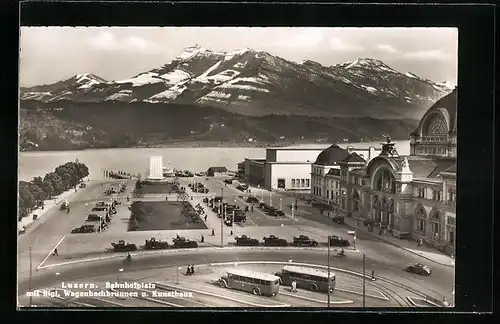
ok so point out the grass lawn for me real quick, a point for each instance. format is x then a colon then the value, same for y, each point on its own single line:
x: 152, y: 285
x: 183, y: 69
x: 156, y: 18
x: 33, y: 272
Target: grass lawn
x: 155, y: 189
x: 163, y: 215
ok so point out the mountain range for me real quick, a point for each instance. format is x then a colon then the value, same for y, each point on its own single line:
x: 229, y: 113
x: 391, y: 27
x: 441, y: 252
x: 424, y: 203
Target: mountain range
x: 243, y: 85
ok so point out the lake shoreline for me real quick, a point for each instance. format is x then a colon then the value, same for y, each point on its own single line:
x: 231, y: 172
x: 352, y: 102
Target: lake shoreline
x: 214, y: 144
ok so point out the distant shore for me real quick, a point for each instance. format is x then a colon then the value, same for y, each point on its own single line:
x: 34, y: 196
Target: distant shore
x: 216, y: 144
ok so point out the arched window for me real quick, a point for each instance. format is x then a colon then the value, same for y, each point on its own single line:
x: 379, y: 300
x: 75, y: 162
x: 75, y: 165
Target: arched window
x: 385, y: 181
x: 355, y: 201
x: 421, y: 216
x: 435, y: 125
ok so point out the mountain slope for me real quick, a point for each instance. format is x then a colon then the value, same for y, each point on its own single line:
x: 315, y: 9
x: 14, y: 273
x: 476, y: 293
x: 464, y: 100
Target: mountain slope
x: 256, y: 83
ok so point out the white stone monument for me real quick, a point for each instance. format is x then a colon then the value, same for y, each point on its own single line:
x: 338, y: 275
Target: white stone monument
x: 155, y: 168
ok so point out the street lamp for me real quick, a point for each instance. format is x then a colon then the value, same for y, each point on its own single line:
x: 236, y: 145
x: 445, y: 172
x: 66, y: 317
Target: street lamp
x: 178, y: 269
x: 271, y: 199
x: 119, y: 273
x: 281, y: 204
x: 31, y: 274
x: 329, y: 282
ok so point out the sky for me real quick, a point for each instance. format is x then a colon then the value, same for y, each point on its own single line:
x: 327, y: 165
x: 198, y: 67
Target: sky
x: 51, y: 54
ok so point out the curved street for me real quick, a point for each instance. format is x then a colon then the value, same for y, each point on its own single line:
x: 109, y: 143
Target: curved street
x: 386, y: 260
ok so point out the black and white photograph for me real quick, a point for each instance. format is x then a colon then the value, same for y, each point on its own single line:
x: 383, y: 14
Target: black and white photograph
x: 237, y: 167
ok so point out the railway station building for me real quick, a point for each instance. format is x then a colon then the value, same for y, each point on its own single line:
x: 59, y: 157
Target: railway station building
x: 412, y: 194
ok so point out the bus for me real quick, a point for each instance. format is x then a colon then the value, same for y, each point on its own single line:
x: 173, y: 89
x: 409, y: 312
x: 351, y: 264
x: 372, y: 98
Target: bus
x: 307, y: 278
x: 258, y: 283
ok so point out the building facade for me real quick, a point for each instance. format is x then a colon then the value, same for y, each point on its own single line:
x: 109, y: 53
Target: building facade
x: 403, y: 194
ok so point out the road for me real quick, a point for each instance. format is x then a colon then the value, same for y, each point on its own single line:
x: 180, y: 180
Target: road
x: 231, y: 195
x: 436, y: 285
x: 44, y: 235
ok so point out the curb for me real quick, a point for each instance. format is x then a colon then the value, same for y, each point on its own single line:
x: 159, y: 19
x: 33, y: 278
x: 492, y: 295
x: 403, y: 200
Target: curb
x: 399, y: 246
x: 412, y: 301
x: 168, y: 287
x: 345, y: 301
x: 166, y: 251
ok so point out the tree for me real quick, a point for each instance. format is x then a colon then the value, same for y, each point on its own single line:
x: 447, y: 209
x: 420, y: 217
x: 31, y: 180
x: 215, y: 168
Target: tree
x: 55, y: 181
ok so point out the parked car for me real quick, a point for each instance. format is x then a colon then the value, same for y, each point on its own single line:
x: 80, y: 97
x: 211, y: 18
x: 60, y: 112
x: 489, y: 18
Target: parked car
x: 338, y: 241
x: 419, y: 268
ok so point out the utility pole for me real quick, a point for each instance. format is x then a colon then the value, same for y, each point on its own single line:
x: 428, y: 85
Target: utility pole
x: 31, y: 274
x: 271, y: 199
x: 292, y: 210
x: 364, y: 259
x: 221, y: 217
x: 328, y: 272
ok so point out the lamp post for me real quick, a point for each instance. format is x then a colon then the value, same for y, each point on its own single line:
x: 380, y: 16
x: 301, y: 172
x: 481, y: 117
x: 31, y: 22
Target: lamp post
x: 329, y: 282
x: 271, y: 199
x: 119, y: 273
x: 364, y: 279
x: 178, y: 269
x: 221, y: 218
x: 281, y: 204
x: 292, y: 209
x: 31, y: 274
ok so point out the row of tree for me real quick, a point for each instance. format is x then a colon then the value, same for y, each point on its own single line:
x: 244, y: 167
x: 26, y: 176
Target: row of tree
x: 64, y: 177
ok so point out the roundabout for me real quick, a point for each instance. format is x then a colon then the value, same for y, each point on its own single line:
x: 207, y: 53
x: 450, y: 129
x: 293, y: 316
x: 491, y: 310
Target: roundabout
x: 160, y: 280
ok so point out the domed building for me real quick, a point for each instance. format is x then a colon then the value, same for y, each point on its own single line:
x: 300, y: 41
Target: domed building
x: 412, y: 194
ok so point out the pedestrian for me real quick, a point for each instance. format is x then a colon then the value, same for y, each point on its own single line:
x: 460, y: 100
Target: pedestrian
x: 205, y: 218
x: 328, y: 214
x: 213, y: 232
x: 373, y: 274
x: 231, y: 233
x: 192, y: 269
x: 251, y: 208
x: 188, y: 271
x: 55, y: 252
x: 354, y: 242
x: 380, y: 232
x: 294, y: 286
x: 445, y: 302
x: 202, y: 238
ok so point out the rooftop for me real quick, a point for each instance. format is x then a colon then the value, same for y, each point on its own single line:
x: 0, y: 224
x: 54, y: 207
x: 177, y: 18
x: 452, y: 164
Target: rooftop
x: 309, y: 271
x: 332, y: 155
x: 253, y: 274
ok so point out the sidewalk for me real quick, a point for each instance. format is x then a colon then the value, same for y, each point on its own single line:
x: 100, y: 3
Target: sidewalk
x: 424, y: 252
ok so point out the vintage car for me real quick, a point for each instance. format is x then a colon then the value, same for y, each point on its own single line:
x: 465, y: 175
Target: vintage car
x: 419, y: 268
x: 121, y: 246
x: 303, y: 240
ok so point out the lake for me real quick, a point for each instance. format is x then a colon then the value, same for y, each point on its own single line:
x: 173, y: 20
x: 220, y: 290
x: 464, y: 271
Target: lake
x: 136, y: 160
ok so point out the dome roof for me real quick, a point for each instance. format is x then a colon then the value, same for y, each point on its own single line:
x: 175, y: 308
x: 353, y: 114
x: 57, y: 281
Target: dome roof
x: 332, y: 155
x: 447, y: 107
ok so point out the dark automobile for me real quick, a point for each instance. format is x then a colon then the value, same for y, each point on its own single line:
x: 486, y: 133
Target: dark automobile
x: 182, y: 242
x: 244, y: 240
x: 228, y: 221
x: 338, y: 219
x: 303, y: 240
x: 94, y: 218
x: 252, y: 200
x: 84, y: 229
x: 338, y: 241
x: 239, y: 216
x: 419, y: 268
x: 280, y: 213
x: 121, y: 246
x: 242, y: 187
x: 205, y: 200
x: 100, y: 208
x: 274, y: 241
x: 83, y: 185
x: 154, y: 244
x: 228, y: 181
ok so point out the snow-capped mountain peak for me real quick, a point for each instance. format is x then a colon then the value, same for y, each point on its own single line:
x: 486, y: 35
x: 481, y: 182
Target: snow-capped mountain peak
x: 252, y: 82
